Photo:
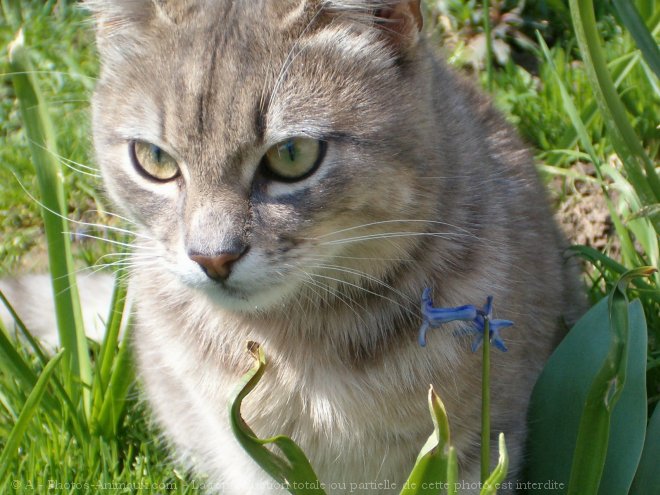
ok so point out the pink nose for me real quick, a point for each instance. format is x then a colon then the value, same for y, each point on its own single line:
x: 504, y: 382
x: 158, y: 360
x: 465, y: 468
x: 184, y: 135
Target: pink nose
x: 217, y: 267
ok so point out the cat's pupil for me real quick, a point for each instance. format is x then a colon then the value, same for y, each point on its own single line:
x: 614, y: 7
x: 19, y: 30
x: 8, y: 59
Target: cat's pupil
x: 156, y: 153
x: 291, y: 149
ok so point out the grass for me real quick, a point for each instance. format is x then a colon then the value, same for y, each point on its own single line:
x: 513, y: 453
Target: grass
x: 62, y: 47
x: 51, y: 439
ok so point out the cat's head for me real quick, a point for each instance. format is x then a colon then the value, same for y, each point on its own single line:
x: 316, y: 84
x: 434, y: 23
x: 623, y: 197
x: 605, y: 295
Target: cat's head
x: 265, y: 147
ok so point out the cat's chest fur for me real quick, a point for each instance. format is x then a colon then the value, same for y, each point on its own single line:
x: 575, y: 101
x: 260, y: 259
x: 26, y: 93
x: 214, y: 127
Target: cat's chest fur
x: 340, y: 413
x: 359, y: 414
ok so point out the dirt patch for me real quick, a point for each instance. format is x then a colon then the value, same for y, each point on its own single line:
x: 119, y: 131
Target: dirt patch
x: 582, y: 213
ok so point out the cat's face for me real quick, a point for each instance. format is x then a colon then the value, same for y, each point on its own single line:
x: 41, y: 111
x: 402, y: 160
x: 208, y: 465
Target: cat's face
x: 274, y: 131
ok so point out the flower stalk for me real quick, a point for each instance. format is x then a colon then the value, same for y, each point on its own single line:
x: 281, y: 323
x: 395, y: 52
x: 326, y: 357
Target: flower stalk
x: 487, y: 330
x: 485, y: 405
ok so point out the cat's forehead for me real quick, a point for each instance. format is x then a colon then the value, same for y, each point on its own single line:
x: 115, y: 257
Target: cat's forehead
x: 194, y: 73
x: 225, y: 75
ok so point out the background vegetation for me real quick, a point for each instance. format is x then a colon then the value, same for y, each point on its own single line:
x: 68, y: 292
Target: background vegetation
x: 598, y: 200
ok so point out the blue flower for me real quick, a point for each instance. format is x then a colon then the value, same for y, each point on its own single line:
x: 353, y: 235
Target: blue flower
x: 434, y: 317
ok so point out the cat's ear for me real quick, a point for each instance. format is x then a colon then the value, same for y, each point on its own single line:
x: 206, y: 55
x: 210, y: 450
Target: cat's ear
x: 402, y: 18
x: 119, y: 26
x: 123, y: 27
x: 398, y: 20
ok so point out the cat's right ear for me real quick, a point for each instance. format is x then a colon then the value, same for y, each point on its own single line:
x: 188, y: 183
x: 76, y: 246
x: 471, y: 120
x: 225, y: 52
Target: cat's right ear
x: 119, y: 26
x: 402, y: 18
x: 123, y: 27
x: 400, y: 21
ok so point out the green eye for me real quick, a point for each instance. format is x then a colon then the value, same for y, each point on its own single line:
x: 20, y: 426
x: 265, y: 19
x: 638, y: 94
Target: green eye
x: 295, y: 158
x: 153, y: 162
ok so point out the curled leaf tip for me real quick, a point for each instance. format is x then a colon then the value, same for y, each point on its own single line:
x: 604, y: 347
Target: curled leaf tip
x: 253, y: 348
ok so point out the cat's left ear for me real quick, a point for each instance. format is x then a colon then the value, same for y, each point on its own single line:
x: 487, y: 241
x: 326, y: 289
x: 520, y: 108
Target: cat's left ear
x: 402, y: 21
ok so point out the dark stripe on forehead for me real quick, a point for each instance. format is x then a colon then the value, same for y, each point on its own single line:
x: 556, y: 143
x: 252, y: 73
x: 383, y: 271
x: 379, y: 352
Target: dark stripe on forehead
x: 261, y: 116
x: 220, y: 32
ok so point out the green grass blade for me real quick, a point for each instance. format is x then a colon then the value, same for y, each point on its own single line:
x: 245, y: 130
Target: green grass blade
x: 11, y: 11
x: 594, y: 430
x: 41, y: 138
x: 627, y: 246
x: 485, y: 404
x: 489, y: 44
x: 120, y: 382
x: 607, y: 263
x: 108, y: 352
x: 13, y: 363
x: 638, y: 166
x: 31, y: 405
x: 452, y: 471
x: 16, y: 366
x: 36, y: 347
x: 619, y: 68
x: 645, y: 7
x: 640, y: 33
x: 113, y: 325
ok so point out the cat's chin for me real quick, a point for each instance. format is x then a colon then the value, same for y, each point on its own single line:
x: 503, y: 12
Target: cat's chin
x: 256, y: 301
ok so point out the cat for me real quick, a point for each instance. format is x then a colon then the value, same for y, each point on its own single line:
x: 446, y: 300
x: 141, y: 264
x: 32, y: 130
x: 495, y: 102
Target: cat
x: 299, y: 172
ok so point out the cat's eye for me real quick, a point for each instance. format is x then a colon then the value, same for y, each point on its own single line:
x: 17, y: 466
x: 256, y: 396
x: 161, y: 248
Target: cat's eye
x: 153, y: 162
x: 295, y: 158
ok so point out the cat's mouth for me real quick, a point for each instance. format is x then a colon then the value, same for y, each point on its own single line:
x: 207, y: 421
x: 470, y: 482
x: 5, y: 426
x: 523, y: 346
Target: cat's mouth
x: 234, y: 295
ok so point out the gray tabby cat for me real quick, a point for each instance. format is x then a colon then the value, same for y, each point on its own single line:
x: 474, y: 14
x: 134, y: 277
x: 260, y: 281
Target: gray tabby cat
x: 300, y: 170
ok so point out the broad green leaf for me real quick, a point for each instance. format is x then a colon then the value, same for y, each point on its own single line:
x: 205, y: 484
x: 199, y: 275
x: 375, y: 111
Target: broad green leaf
x: 603, y: 393
x: 292, y: 470
x: 628, y: 423
x: 647, y: 478
x: 560, y: 396
x: 436, y: 467
x: 500, y: 471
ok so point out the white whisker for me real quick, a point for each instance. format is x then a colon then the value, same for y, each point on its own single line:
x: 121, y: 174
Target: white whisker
x: 363, y: 275
x: 109, y: 213
x: 343, y: 298
x: 364, y: 290
x: 109, y: 241
x: 358, y: 258
x: 371, y: 224
x: 78, y: 222
x: 391, y: 235
x: 73, y: 165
